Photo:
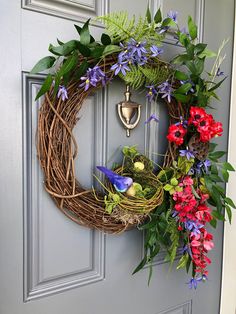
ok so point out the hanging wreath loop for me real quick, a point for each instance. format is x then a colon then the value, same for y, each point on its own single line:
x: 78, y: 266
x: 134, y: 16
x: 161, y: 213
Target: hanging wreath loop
x: 169, y: 201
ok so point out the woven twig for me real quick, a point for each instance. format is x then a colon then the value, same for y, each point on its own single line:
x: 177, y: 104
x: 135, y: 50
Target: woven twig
x: 57, y: 150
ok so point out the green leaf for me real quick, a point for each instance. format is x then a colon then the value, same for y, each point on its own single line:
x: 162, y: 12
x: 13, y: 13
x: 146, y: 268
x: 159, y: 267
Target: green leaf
x: 183, y: 89
x: 182, y: 98
x: 65, y: 49
x: 60, y: 42
x: 69, y: 64
x: 78, y: 28
x: 225, y: 175
x: 212, y: 147
x: 141, y: 265
x: 174, y: 181
x: 183, y: 261
x: 229, y: 213
x: 180, y: 59
x: 218, y: 215
x: 84, y: 50
x: 199, y: 64
x: 105, y: 39
x: 109, y: 49
x: 168, y: 22
x: 45, y: 87
x: 213, y: 223
x: 207, y: 54
x: 199, y: 48
x: 148, y: 15
x: 168, y: 187
x: 228, y: 166
x: 43, y: 64
x: 191, y: 66
x: 97, y: 52
x: 217, y: 198
x: 217, y: 155
x: 84, y: 34
x: 216, y: 85
x: 215, y: 178
x: 158, y: 16
x: 181, y: 75
x: 229, y: 202
x: 192, y: 28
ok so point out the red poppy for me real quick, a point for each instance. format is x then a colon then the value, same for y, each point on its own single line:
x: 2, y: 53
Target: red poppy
x: 176, y: 134
x: 216, y: 129
x: 196, y: 115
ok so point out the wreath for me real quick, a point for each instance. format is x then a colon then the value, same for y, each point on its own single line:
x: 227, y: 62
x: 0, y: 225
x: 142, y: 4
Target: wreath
x: 169, y: 201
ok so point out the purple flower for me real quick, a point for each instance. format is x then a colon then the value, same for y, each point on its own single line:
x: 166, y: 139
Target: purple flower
x: 187, y: 249
x: 137, y: 48
x: 182, y: 122
x: 156, y: 51
x: 93, y: 77
x: 152, y: 117
x: 219, y: 72
x: 203, y: 166
x: 193, y: 282
x: 120, y: 66
x: 186, y: 153
x: 165, y: 89
x: 151, y: 93
x: 172, y: 15
x: 193, y: 227
x: 62, y: 92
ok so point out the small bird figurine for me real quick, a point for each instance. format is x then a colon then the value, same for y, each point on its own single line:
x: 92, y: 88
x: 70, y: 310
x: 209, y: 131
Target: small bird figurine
x: 120, y: 183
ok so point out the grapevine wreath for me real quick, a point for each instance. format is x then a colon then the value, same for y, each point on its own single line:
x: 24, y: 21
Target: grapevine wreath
x: 169, y: 201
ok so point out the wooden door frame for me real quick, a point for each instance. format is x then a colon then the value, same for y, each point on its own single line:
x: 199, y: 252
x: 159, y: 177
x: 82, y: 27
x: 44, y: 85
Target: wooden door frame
x: 228, y: 286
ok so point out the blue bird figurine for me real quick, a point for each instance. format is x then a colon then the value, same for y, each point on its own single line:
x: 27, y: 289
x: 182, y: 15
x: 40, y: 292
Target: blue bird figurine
x: 120, y: 183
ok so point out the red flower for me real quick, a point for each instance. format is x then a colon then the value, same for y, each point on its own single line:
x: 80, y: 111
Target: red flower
x: 205, y: 124
x: 196, y: 115
x: 216, y: 129
x: 176, y: 134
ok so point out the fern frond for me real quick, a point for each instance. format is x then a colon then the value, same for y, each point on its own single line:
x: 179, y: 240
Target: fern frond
x: 118, y: 25
x: 155, y: 76
x: 134, y: 77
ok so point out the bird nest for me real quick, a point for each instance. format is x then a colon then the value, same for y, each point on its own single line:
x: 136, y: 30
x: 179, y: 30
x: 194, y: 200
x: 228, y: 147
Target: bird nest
x: 57, y: 150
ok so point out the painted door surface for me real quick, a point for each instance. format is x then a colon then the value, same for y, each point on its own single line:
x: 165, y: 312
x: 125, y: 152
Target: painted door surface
x: 48, y: 264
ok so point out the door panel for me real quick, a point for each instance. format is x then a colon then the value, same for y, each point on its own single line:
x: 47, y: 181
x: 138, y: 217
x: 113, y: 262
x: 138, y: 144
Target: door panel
x: 48, y: 264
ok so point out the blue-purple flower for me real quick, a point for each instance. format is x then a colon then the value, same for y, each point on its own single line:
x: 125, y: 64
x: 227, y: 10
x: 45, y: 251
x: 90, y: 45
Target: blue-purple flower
x: 137, y: 48
x: 156, y: 51
x: 186, y: 153
x: 166, y: 90
x: 93, y: 77
x: 152, y: 117
x: 172, y: 15
x: 163, y: 29
x: 62, y: 92
x: 193, y: 227
x: 219, y: 72
x: 193, y: 282
x: 120, y: 66
x: 182, y: 122
x: 152, y: 92
x: 187, y: 249
x: 203, y: 165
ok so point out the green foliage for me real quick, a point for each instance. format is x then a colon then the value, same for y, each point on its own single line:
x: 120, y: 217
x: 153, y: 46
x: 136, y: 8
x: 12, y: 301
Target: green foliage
x: 139, y: 76
x: 121, y: 28
x: 43, y: 64
x: 111, y: 201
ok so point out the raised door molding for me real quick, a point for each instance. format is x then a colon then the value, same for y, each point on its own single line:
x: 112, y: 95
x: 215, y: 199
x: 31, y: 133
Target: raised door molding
x: 185, y: 308
x: 47, y: 270
x: 76, y: 10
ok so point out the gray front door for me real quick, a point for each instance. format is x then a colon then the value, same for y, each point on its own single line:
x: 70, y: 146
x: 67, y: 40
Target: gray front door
x: 48, y: 264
